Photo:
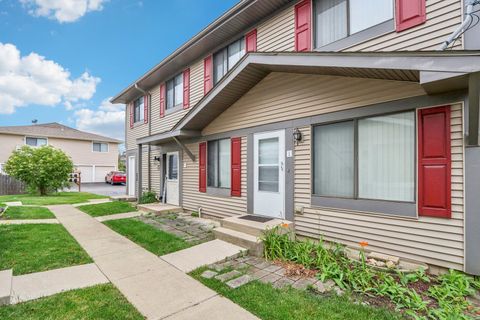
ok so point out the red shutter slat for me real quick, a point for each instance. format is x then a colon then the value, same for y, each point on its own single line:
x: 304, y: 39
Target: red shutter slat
x: 207, y: 74
x: 236, y: 167
x: 130, y: 108
x: 162, y: 100
x: 434, y: 162
x: 409, y: 13
x: 145, y: 109
x: 303, y: 18
x: 186, y: 89
x: 202, y: 165
x: 251, y: 41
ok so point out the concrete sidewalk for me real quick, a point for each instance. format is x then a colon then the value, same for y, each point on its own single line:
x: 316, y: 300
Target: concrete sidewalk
x: 157, y: 289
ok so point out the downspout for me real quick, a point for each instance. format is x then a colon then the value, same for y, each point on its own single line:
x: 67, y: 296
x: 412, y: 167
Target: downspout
x: 149, y: 150
x: 462, y: 28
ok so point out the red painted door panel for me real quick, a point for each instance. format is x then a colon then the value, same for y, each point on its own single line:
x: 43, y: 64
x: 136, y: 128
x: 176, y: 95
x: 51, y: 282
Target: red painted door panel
x: 409, y: 13
x: 202, y: 165
x: 303, y: 29
x: 434, y: 162
x: 236, y: 167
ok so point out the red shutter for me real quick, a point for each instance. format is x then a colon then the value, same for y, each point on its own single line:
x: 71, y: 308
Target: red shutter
x: 202, y: 165
x: 207, y: 74
x: 236, y: 169
x: 162, y: 100
x: 145, y: 109
x: 186, y: 89
x: 409, y: 13
x: 434, y: 162
x: 130, y: 108
x: 251, y: 41
x: 303, y: 26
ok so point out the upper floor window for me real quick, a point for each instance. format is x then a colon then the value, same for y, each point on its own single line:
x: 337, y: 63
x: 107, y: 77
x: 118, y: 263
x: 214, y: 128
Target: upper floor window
x: 36, y: 142
x: 174, y: 91
x: 225, y: 59
x: 100, y: 147
x: 338, y: 19
x: 139, y: 110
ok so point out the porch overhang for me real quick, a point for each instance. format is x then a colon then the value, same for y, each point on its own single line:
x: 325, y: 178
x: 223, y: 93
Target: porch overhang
x: 169, y: 136
x: 435, y: 71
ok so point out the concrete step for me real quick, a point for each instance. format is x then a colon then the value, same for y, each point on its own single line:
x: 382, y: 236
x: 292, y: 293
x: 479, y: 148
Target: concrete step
x: 245, y: 240
x: 159, y: 208
x: 5, y: 286
x: 250, y: 227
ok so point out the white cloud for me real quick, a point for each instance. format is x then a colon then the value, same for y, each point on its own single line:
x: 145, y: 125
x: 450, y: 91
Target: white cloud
x: 107, y: 120
x: 62, y: 10
x: 32, y: 79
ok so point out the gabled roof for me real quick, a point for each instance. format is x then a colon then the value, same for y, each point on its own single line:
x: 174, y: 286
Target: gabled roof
x: 55, y: 130
x: 450, y: 69
x: 236, y: 21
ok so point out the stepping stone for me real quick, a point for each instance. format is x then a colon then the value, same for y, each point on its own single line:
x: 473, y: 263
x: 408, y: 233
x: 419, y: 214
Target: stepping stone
x: 263, y: 265
x: 257, y: 273
x: 319, y: 287
x: 282, y: 283
x: 271, y: 278
x: 253, y: 261
x: 221, y: 266
x: 5, y: 286
x: 240, y: 281
x: 280, y: 272
x: 303, y: 283
x: 227, y: 276
x: 13, y: 204
x: 209, y: 274
x: 272, y: 268
x: 240, y: 265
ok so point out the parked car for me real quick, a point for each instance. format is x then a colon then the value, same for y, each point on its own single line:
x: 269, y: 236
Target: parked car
x: 115, y: 177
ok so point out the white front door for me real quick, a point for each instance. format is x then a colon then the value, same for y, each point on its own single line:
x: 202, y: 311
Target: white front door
x: 269, y: 174
x: 131, y: 176
x: 172, y: 179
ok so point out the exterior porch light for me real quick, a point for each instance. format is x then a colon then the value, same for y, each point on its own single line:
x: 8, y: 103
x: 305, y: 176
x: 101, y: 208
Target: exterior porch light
x: 297, y: 135
x: 156, y: 158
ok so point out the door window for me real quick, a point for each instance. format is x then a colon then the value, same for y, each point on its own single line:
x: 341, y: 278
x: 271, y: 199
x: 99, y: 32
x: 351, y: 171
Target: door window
x: 172, y: 167
x: 268, y: 165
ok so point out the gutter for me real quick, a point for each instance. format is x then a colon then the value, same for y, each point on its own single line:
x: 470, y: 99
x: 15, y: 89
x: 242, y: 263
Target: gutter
x: 149, y: 150
x: 463, y: 27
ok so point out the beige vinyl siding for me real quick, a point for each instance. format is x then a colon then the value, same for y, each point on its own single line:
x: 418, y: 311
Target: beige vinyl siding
x: 285, y: 96
x: 215, y: 206
x: 277, y: 33
x: 443, y: 17
x: 139, y: 130
x: 166, y: 123
x: 196, y: 82
x: 435, y: 241
x: 9, y: 143
x: 155, y: 170
x: 144, y: 168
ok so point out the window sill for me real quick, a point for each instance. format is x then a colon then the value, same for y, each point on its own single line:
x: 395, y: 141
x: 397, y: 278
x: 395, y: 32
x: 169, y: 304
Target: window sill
x: 359, y: 37
x: 174, y: 109
x: 138, y: 124
x: 219, y: 192
x: 393, y: 208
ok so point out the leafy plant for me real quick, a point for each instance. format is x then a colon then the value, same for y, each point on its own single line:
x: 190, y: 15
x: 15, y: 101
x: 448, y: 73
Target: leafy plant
x: 44, y: 169
x: 148, y: 197
x: 194, y: 214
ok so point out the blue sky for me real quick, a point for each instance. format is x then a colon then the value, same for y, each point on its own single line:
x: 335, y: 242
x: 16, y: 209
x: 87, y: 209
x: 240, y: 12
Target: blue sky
x: 60, y: 63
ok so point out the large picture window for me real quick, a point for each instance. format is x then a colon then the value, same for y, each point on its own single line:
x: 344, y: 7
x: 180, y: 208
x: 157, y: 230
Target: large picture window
x: 36, y: 142
x: 225, y: 59
x: 338, y: 19
x: 371, y: 158
x: 175, y: 91
x: 218, y: 163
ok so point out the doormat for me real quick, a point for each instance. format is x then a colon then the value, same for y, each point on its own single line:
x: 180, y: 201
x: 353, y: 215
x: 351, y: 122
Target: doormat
x: 255, y: 218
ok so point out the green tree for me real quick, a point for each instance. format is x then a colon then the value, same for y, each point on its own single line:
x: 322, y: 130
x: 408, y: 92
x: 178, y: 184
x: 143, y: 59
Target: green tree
x: 43, y: 170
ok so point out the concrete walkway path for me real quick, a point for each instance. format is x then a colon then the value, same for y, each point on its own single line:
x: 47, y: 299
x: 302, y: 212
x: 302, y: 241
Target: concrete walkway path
x: 156, y: 288
x: 41, y: 284
x: 30, y: 221
x: 120, y: 216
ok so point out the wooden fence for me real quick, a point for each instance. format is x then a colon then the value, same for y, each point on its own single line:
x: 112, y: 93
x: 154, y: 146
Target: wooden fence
x: 9, y: 185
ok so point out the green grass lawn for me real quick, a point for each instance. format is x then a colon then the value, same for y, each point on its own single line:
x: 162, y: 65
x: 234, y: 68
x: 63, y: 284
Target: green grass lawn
x: 40, y: 247
x: 28, y: 213
x: 57, y: 198
x: 269, y: 303
x: 98, y: 302
x: 152, y: 239
x: 108, y: 208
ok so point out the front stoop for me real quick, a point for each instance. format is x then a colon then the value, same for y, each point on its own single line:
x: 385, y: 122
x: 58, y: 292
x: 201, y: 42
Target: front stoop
x: 124, y: 197
x: 5, y: 286
x: 247, y: 233
x: 159, y: 208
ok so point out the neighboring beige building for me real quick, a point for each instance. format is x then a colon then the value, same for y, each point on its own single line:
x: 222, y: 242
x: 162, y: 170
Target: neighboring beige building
x: 92, y: 154
x: 340, y: 116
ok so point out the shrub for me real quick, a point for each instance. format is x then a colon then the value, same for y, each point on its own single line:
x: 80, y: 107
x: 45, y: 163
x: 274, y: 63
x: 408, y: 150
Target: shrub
x: 148, y: 197
x: 43, y: 170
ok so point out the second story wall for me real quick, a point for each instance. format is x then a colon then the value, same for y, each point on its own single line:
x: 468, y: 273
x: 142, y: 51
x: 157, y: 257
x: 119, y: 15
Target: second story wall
x: 278, y: 32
